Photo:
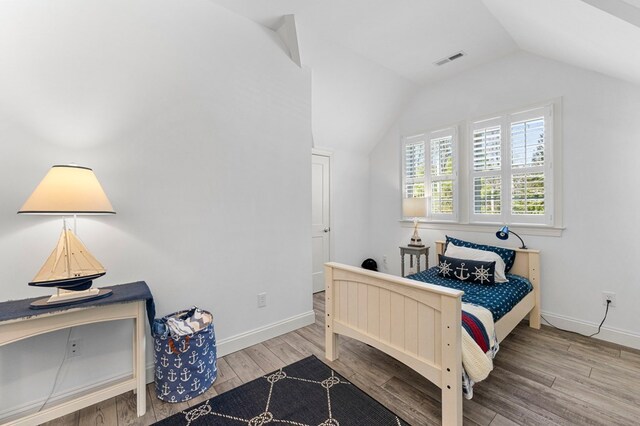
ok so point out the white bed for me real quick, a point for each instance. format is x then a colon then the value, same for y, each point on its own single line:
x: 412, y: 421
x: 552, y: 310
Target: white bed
x: 419, y: 324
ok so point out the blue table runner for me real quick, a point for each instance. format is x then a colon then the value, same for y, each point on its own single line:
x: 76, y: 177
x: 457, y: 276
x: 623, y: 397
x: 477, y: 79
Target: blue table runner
x: 122, y: 293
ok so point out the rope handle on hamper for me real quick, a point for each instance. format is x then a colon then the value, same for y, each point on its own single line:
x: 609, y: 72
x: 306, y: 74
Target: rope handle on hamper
x: 177, y: 351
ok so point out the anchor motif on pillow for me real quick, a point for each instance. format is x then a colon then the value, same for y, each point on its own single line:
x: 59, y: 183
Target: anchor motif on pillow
x: 462, y: 269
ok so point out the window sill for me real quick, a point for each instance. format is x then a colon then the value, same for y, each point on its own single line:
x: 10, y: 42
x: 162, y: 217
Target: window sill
x: 536, y: 230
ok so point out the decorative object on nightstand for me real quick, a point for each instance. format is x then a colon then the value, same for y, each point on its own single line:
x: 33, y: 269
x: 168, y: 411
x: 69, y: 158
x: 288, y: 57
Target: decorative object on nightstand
x: 415, y: 208
x: 69, y: 190
x: 504, y: 232
x: 417, y: 252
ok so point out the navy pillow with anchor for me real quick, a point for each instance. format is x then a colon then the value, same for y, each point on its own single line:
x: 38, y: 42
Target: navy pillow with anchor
x: 474, y: 271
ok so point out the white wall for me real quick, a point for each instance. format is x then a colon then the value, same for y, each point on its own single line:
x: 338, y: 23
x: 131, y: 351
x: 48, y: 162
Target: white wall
x: 198, y: 126
x: 354, y: 101
x: 598, y: 250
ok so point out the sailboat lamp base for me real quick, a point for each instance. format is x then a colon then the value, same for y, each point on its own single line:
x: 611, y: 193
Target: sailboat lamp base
x: 45, y: 303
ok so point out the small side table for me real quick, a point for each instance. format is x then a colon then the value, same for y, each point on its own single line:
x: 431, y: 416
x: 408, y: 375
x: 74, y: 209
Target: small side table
x: 417, y: 252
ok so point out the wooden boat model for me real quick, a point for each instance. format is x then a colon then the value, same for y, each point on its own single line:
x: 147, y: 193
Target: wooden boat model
x: 72, y: 269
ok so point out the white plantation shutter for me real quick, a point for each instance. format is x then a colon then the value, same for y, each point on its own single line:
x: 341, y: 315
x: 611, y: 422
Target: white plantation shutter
x: 414, y: 167
x: 510, y: 169
x: 530, y: 171
x: 442, y: 178
x: 486, y: 169
x: 430, y: 171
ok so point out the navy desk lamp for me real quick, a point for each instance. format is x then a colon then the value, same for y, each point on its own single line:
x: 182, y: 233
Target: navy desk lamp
x: 504, y: 232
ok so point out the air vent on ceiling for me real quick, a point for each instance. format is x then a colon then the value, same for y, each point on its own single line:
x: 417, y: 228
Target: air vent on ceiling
x: 450, y: 58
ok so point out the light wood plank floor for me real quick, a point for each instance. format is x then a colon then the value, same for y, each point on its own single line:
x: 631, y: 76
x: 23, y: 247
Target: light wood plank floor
x: 541, y: 377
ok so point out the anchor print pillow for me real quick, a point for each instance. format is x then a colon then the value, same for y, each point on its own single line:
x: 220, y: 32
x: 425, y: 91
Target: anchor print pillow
x: 481, y: 255
x: 473, y: 271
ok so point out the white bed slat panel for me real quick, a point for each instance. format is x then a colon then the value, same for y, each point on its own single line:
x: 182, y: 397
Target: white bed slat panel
x: 343, y: 300
x: 426, y: 333
x: 411, y: 326
x: 363, y: 310
x: 385, y: 316
x: 352, y: 305
x: 373, y: 311
x: 397, y: 320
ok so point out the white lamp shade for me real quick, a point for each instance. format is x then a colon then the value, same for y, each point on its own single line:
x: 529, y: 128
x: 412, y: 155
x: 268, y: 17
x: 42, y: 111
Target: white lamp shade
x: 68, y: 189
x: 414, y: 207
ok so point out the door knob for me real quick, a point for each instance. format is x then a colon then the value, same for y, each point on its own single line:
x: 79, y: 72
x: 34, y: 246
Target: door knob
x: 327, y: 229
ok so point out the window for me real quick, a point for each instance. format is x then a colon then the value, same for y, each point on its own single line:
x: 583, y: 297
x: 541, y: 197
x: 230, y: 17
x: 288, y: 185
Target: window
x: 511, y: 176
x: 507, y: 169
x: 414, y: 167
x: 438, y: 182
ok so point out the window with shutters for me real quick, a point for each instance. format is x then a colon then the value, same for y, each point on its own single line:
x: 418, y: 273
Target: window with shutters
x: 414, y: 167
x: 430, y: 171
x: 510, y: 172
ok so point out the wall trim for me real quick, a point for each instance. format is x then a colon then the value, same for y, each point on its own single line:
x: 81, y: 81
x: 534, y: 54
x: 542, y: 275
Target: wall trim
x: 260, y: 334
x: 544, y: 231
x: 225, y: 346
x: 25, y: 408
x: 608, y: 334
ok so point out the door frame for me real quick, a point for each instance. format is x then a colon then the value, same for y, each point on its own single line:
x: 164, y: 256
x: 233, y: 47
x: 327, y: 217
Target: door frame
x: 324, y: 152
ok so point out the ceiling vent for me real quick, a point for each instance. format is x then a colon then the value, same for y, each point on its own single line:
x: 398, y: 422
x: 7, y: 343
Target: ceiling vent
x: 450, y: 58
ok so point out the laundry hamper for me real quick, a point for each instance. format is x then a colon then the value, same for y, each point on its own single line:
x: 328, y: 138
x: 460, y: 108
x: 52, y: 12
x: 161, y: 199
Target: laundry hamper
x: 184, y: 354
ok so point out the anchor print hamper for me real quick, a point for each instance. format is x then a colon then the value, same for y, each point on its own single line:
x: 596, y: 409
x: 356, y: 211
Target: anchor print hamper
x: 184, y: 354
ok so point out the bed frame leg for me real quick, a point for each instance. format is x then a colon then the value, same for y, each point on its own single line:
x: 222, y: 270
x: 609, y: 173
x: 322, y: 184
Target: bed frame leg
x: 452, y: 406
x: 331, y: 339
x: 331, y: 345
x: 451, y: 347
x: 534, y: 318
x: 534, y: 277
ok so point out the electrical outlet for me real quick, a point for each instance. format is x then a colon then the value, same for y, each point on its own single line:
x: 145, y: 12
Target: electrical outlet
x: 74, y: 348
x: 607, y: 295
x: 385, y: 265
x: 262, y: 300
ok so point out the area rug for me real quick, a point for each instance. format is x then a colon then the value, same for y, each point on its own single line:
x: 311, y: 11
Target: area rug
x: 306, y: 393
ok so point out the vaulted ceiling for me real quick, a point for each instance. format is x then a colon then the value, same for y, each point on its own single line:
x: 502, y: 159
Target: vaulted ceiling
x: 399, y: 41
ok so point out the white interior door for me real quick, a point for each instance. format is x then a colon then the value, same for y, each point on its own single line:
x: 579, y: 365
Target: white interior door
x: 320, y: 226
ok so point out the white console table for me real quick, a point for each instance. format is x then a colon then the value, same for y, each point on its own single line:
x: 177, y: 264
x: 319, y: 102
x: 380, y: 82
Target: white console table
x: 39, y: 322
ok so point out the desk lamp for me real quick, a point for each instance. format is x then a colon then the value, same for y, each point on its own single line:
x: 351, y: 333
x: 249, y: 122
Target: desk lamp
x: 504, y: 232
x: 416, y: 208
x: 69, y: 190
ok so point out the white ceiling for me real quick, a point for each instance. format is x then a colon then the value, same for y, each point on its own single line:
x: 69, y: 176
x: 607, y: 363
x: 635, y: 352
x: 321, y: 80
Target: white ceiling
x: 368, y: 57
x: 405, y: 36
x: 408, y: 36
x: 575, y: 32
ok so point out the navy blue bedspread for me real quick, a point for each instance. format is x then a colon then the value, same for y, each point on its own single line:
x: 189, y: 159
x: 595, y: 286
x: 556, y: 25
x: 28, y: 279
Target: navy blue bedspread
x: 498, y: 298
x: 121, y: 293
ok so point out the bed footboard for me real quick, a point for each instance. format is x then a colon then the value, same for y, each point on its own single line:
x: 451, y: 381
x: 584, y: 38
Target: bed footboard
x: 416, y: 323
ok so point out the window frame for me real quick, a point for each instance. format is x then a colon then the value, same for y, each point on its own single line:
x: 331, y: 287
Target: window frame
x: 426, y: 138
x: 506, y: 172
x: 464, y: 218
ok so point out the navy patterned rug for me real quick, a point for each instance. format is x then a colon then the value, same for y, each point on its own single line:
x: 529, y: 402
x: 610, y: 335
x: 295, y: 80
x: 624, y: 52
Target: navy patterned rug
x: 305, y: 393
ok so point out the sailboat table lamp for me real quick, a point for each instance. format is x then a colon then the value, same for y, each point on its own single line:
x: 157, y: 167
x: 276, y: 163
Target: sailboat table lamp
x: 69, y: 190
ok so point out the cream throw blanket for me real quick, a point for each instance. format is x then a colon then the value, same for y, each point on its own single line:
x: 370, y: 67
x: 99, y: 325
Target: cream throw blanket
x: 476, y: 363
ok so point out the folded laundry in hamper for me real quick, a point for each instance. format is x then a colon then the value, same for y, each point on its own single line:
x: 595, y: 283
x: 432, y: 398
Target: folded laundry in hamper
x: 184, y: 354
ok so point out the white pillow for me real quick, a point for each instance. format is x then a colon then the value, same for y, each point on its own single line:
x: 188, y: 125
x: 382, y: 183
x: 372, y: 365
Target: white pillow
x: 482, y: 255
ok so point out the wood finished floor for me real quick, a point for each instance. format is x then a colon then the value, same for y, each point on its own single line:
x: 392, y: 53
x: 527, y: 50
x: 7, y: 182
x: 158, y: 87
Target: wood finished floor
x: 541, y: 377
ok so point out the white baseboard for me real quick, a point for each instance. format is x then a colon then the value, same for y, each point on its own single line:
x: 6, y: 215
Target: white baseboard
x: 269, y: 331
x: 69, y: 393
x: 224, y: 347
x: 608, y: 334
